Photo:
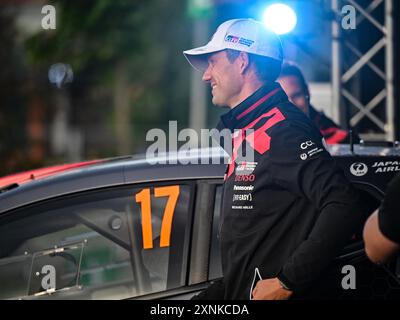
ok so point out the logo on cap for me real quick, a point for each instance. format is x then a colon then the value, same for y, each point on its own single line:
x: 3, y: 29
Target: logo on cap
x: 242, y: 41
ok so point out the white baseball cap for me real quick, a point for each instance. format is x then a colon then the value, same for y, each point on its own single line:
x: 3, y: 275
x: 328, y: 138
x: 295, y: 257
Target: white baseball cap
x: 246, y: 35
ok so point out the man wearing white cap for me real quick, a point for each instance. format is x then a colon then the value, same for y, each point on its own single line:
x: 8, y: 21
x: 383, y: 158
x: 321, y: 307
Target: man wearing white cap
x: 287, y: 214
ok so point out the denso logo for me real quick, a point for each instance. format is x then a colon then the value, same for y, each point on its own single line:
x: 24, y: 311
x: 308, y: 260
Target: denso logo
x: 245, y: 177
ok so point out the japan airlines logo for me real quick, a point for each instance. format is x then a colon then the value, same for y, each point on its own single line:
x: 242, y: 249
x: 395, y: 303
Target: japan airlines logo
x: 303, y: 156
x: 358, y: 169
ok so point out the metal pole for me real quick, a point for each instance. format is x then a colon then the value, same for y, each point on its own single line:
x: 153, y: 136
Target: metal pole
x: 198, y: 90
x: 390, y: 130
x: 336, y: 68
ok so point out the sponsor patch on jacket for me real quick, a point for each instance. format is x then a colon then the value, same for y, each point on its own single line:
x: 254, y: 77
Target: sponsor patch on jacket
x: 245, y: 168
x: 242, y: 197
x: 242, y: 207
x: 243, y: 188
x: 306, y: 152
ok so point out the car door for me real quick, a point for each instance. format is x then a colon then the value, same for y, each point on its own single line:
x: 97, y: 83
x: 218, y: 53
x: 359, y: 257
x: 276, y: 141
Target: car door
x: 113, y: 243
x: 204, y: 258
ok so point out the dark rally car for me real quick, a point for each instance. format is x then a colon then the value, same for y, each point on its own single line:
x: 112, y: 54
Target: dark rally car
x: 123, y: 228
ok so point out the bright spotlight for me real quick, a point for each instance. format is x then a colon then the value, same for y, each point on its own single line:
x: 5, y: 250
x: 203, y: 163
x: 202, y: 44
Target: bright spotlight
x: 280, y: 18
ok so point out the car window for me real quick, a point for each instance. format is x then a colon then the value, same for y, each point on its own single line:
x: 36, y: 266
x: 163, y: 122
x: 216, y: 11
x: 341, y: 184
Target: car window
x: 215, y: 269
x: 108, y: 244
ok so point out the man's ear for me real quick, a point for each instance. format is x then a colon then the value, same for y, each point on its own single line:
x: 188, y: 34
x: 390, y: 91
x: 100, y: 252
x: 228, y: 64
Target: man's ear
x: 244, y: 62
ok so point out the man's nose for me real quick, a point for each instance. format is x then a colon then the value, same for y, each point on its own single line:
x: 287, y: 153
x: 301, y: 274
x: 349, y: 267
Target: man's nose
x: 206, y: 75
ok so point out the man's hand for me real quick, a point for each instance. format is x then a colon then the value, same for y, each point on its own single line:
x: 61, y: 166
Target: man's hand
x: 270, y: 289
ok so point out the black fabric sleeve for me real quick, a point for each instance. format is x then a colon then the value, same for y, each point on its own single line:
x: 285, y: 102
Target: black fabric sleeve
x: 389, y: 212
x: 301, y: 164
x: 321, y: 120
x: 215, y: 291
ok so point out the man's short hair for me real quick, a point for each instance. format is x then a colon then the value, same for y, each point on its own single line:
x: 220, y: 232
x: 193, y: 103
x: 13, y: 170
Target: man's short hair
x: 267, y: 69
x: 289, y: 70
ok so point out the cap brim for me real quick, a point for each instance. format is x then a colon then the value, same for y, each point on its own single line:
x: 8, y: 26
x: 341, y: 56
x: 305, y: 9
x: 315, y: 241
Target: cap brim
x: 197, y: 57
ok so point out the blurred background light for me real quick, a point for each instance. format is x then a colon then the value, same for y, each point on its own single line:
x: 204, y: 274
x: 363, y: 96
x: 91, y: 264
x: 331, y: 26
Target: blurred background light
x: 280, y: 18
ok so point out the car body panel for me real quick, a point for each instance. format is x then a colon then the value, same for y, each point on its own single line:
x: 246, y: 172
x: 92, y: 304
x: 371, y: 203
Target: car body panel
x: 126, y: 171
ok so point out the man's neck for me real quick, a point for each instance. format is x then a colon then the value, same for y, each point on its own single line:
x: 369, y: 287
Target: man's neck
x: 248, y: 89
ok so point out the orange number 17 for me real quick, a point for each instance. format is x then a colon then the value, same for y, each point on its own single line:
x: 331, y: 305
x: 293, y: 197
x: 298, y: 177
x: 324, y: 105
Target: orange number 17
x: 143, y: 197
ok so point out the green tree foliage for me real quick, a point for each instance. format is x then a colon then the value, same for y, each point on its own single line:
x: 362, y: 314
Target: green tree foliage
x: 129, y: 48
x: 12, y: 110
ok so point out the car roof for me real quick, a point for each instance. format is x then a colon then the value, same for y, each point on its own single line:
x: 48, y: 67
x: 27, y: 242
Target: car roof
x: 28, y: 176
x: 114, y: 172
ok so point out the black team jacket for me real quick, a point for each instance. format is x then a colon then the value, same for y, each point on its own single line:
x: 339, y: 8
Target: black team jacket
x: 290, y: 211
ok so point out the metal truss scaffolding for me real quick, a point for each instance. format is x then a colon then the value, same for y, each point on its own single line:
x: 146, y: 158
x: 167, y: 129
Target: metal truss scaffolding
x: 363, y: 69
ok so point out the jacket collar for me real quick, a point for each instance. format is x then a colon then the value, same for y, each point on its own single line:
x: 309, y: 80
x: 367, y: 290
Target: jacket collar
x: 262, y: 100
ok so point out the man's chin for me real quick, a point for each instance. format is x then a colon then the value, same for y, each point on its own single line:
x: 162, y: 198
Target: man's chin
x: 218, y: 104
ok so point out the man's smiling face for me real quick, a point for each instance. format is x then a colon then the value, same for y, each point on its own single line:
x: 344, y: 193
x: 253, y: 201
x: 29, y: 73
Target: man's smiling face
x: 225, y: 79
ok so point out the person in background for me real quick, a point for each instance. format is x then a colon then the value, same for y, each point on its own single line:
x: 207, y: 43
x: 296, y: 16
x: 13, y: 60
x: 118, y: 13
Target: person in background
x: 295, y: 86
